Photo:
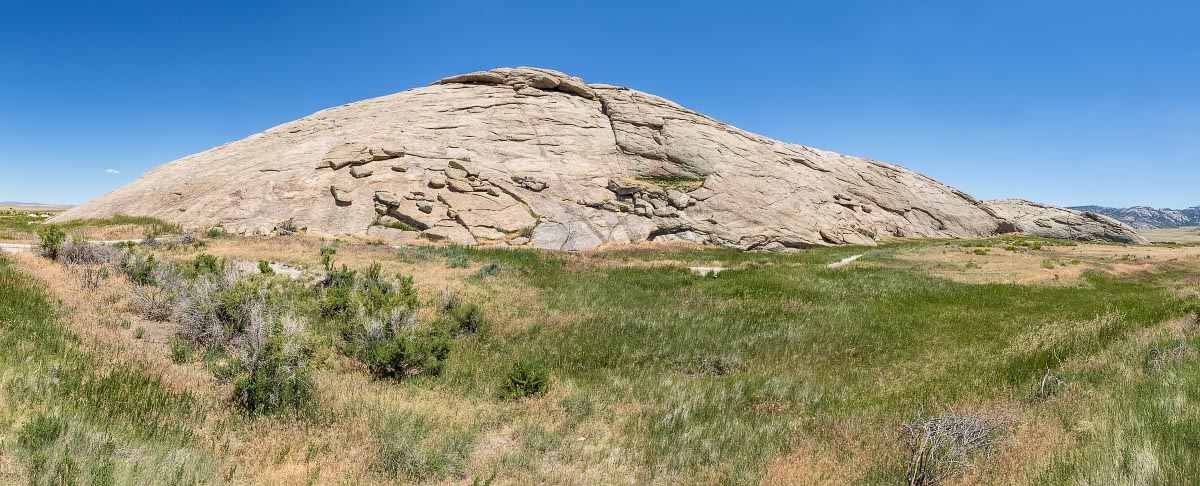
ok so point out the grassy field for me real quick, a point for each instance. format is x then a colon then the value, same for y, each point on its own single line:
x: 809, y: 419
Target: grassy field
x: 1184, y: 236
x: 777, y: 371
x: 23, y: 225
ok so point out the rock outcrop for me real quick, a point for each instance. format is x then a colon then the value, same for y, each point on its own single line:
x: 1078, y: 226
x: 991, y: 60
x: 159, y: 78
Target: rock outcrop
x: 1065, y: 224
x: 535, y: 157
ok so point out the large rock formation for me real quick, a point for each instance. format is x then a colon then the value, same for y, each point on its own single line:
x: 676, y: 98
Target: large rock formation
x: 535, y: 157
x: 1065, y: 224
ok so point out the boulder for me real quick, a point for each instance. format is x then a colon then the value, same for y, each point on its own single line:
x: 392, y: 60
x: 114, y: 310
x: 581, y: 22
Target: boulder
x: 459, y: 185
x: 388, y: 198
x: 470, y: 169
x: 340, y: 195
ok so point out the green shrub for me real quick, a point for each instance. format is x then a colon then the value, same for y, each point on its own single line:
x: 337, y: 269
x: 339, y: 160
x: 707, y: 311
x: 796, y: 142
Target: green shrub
x: 525, y: 379
x: 345, y: 295
x: 205, y: 264
x: 265, y: 268
x: 273, y: 370
x: 139, y: 332
x: 213, y: 309
x: 392, y: 350
x: 467, y: 319
x: 489, y: 270
x: 415, y: 254
x: 51, y: 240
x: 456, y: 256
x: 139, y: 268
x: 214, y: 233
x: 327, y: 254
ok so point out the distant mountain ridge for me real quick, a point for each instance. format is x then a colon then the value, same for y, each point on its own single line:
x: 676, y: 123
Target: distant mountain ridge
x: 1145, y: 217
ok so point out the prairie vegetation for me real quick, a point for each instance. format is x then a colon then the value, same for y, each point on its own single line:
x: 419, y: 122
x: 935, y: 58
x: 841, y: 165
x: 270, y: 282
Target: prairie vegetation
x: 450, y: 365
x: 26, y: 225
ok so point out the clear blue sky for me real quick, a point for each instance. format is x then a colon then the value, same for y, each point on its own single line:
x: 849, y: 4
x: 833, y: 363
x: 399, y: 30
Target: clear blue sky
x: 1065, y: 102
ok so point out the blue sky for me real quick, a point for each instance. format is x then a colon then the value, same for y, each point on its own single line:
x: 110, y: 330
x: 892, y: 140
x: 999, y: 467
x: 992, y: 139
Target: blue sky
x: 1065, y: 102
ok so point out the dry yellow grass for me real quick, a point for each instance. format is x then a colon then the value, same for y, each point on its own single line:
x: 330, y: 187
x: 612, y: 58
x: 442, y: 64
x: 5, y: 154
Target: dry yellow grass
x: 1051, y: 265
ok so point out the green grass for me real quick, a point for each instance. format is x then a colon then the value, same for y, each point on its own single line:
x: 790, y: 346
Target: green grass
x: 400, y: 225
x: 813, y: 346
x: 102, y: 414
x: 19, y: 225
x: 679, y: 379
x: 683, y: 184
x: 152, y: 225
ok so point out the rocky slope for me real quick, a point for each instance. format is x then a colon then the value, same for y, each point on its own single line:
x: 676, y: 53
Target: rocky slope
x: 535, y: 157
x: 1065, y: 224
x: 1144, y: 217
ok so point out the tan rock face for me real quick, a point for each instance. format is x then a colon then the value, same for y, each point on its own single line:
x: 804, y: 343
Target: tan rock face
x: 1065, y: 224
x: 535, y: 157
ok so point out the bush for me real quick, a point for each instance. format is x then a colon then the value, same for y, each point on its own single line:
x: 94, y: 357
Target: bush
x: 456, y: 256
x: 273, y: 367
x: 139, y: 332
x: 205, y: 264
x: 187, y: 237
x: 214, y: 233
x: 467, y: 319
x: 139, y: 268
x: 83, y: 252
x: 92, y: 277
x: 391, y: 348
x: 152, y: 301
x: 525, y: 379
x: 327, y: 258
x: 941, y: 445
x: 346, y: 296
x: 265, y: 268
x: 489, y: 270
x: 213, y: 309
x: 51, y: 240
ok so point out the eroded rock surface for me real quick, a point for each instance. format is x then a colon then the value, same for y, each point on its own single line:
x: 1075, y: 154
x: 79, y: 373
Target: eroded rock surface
x: 534, y: 157
x: 1066, y: 224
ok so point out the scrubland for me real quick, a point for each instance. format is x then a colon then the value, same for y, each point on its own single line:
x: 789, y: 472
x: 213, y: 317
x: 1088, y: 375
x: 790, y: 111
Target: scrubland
x: 1001, y: 361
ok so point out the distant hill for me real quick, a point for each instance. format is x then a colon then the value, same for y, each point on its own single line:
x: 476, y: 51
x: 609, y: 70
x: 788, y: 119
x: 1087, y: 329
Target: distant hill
x: 1144, y: 217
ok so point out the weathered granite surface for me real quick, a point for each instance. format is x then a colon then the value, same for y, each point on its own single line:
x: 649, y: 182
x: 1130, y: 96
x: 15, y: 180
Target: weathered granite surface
x: 535, y: 157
